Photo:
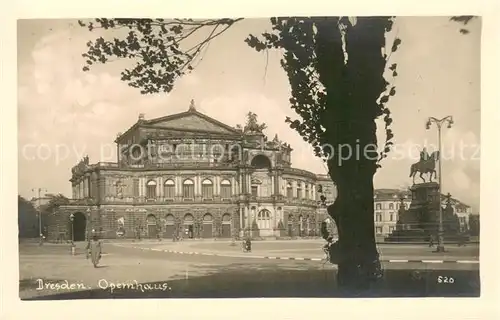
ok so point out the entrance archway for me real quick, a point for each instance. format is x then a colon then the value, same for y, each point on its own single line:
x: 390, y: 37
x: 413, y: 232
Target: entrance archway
x: 188, y: 226
x: 226, y: 226
x: 169, y: 226
x: 152, y: 226
x: 79, y: 226
x: 207, y: 225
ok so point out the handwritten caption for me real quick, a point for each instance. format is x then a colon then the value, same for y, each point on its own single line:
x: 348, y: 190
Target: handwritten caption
x: 102, y: 284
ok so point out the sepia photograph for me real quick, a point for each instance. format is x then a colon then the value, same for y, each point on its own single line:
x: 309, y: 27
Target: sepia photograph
x: 273, y: 157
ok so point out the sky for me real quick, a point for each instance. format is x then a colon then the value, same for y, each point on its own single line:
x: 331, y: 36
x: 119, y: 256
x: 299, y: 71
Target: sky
x: 65, y: 113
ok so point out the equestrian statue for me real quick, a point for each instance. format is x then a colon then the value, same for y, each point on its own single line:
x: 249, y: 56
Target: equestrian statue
x: 427, y: 164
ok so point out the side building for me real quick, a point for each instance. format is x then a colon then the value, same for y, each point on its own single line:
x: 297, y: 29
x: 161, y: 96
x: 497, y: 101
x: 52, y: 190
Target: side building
x: 191, y: 176
x: 388, y: 202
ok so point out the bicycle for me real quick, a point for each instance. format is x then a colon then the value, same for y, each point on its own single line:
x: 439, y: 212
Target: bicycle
x: 326, y: 257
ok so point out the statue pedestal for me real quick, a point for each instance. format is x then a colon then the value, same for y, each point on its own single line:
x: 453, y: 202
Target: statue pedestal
x: 421, y: 220
x: 423, y: 213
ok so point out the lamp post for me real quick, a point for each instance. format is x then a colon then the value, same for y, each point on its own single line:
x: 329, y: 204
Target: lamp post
x: 40, y: 226
x: 39, y: 209
x: 72, y: 218
x: 439, y: 123
x: 89, y: 224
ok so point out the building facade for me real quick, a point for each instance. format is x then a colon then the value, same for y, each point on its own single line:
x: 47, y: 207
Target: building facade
x: 387, y: 203
x: 189, y: 175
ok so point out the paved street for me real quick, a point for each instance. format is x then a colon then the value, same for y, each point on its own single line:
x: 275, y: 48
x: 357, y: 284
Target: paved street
x: 310, y: 249
x: 168, y: 274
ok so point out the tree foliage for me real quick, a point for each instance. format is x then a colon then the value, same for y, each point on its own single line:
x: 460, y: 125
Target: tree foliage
x: 474, y: 225
x: 54, y: 203
x: 463, y: 20
x: 156, y: 45
x: 27, y: 218
x: 326, y: 67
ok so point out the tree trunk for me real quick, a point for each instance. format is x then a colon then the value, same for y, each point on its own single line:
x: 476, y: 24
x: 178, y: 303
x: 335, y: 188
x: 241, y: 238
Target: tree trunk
x: 351, y: 109
x: 353, y: 215
x: 353, y: 210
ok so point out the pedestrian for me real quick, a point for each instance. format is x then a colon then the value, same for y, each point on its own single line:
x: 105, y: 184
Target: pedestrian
x: 431, y: 241
x: 95, y: 250
x: 87, y: 248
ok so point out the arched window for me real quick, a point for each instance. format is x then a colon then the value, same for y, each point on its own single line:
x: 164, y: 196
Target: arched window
x: 391, y: 206
x: 225, y: 189
x: 170, y: 220
x: 264, y: 219
x: 207, y: 189
x: 188, y: 189
x: 169, y: 189
x: 307, y: 191
x: 299, y: 190
x: 208, y: 219
x: 188, y: 219
x: 261, y: 162
x: 289, y: 190
x: 378, y: 206
x: 151, y: 220
x: 151, y: 189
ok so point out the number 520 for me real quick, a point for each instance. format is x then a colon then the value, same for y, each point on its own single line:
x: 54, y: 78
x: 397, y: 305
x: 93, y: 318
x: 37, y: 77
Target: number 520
x: 441, y: 279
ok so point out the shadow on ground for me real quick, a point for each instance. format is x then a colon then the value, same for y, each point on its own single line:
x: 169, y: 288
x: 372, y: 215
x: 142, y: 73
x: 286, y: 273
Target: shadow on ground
x: 237, y: 281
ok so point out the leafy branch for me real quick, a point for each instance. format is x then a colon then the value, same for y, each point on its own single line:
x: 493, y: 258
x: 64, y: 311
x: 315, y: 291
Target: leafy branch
x: 156, y: 45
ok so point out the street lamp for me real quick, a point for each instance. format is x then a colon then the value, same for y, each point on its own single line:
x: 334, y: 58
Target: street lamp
x: 89, y: 224
x: 39, y: 209
x: 40, y: 225
x: 72, y: 218
x: 439, y: 123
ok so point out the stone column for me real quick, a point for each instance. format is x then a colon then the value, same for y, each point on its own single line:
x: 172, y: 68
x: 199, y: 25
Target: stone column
x: 84, y: 183
x: 233, y: 186
x: 141, y: 187
x: 249, y: 220
x: 244, y: 179
x: 240, y: 211
x: 273, y: 187
x: 197, y: 184
x: 277, y: 190
x: 217, y: 181
x: 178, y: 186
x: 158, y: 187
